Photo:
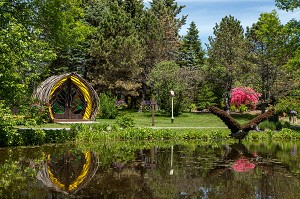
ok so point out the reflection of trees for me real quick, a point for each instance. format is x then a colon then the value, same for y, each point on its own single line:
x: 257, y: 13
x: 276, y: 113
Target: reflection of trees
x: 126, y: 170
x: 69, y: 172
x: 268, y: 179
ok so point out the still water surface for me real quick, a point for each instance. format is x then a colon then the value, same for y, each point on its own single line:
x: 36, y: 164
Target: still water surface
x: 166, y: 170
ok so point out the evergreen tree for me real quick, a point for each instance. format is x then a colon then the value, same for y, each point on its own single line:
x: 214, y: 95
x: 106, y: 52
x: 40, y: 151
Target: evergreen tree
x: 191, y: 52
x: 165, y: 12
x: 227, y: 54
x: 115, y: 48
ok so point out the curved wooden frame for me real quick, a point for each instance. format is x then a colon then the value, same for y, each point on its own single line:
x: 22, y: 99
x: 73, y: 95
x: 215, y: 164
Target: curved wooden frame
x: 46, y: 91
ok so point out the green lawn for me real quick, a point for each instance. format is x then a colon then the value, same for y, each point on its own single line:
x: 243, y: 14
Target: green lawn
x: 190, y: 120
x: 184, y: 120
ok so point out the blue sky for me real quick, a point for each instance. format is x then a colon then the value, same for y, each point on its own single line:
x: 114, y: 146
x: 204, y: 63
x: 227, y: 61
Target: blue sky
x: 206, y: 13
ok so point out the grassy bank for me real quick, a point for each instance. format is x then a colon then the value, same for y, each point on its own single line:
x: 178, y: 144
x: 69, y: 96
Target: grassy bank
x: 187, y: 126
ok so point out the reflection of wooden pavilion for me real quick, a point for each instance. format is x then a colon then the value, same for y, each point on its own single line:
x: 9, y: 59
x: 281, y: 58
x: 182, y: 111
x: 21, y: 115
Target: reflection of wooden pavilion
x: 69, y: 97
x: 69, y: 172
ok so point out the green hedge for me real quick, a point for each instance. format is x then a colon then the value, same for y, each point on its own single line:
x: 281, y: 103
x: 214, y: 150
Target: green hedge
x: 98, y: 132
x: 30, y: 136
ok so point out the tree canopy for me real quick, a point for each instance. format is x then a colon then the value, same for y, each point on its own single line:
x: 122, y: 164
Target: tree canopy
x: 133, y: 51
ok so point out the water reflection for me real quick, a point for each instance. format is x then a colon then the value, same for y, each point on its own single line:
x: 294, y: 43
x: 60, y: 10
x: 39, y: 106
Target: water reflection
x: 236, y: 158
x: 143, y: 160
x: 68, y: 172
x: 152, y: 170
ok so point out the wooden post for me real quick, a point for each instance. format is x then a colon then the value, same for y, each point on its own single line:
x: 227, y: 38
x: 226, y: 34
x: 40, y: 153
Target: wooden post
x: 153, y: 106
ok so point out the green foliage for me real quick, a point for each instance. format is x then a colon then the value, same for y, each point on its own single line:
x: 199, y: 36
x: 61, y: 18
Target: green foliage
x: 12, y: 174
x: 59, y: 136
x: 227, y: 56
x: 267, y: 125
x: 32, y: 137
x: 107, y: 108
x: 22, y: 58
x: 36, y: 113
x: 287, y: 104
x: 242, y: 108
x: 167, y: 76
x: 62, y: 26
x: 206, y: 96
x: 115, y: 47
x: 191, y: 54
x: 193, y: 107
x: 271, y: 45
x: 6, y: 124
x: 287, y: 134
x: 288, y: 5
x: 166, y: 13
x: 106, y: 132
x: 125, y: 121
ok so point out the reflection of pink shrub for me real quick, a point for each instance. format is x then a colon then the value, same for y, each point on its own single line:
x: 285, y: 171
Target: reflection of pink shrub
x: 244, y: 96
x: 243, y: 165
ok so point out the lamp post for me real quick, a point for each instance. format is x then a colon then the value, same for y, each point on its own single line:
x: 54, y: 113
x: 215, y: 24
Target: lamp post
x: 172, y: 96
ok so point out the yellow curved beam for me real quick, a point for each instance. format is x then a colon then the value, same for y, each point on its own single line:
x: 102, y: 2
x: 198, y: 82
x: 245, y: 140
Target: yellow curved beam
x: 84, y: 90
x: 78, y: 180
x: 87, y: 97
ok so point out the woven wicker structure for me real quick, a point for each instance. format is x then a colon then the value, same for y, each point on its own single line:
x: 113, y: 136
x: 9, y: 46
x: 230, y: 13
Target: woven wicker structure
x: 69, y: 97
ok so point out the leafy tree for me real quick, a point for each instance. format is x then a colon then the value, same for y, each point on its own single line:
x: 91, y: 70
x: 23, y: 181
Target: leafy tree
x: 227, y: 55
x: 167, y: 76
x: 115, y: 48
x: 287, y: 4
x: 23, y: 53
x: 191, y: 52
x: 63, y: 27
x: 20, y: 10
x: 293, y: 65
x: 270, y: 51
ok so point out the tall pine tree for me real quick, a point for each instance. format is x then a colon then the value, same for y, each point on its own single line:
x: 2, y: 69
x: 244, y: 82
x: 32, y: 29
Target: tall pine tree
x: 166, y: 12
x: 191, y: 54
x: 115, y: 47
x: 227, y: 53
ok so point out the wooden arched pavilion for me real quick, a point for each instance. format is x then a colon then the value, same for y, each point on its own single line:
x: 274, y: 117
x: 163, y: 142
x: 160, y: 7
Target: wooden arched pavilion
x: 69, y: 97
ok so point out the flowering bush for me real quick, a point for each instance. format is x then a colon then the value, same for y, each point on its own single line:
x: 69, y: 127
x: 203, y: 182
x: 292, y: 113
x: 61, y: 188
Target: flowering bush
x: 241, y: 96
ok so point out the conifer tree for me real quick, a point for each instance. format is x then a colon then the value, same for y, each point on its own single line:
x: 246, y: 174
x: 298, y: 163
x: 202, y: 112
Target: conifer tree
x: 116, y: 49
x: 227, y: 53
x: 165, y: 12
x: 191, y: 53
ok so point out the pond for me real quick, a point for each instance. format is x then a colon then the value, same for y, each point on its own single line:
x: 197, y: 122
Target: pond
x: 186, y: 169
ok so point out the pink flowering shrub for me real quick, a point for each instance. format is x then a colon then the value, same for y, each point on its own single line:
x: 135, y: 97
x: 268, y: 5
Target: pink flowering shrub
x: 244, y: 96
